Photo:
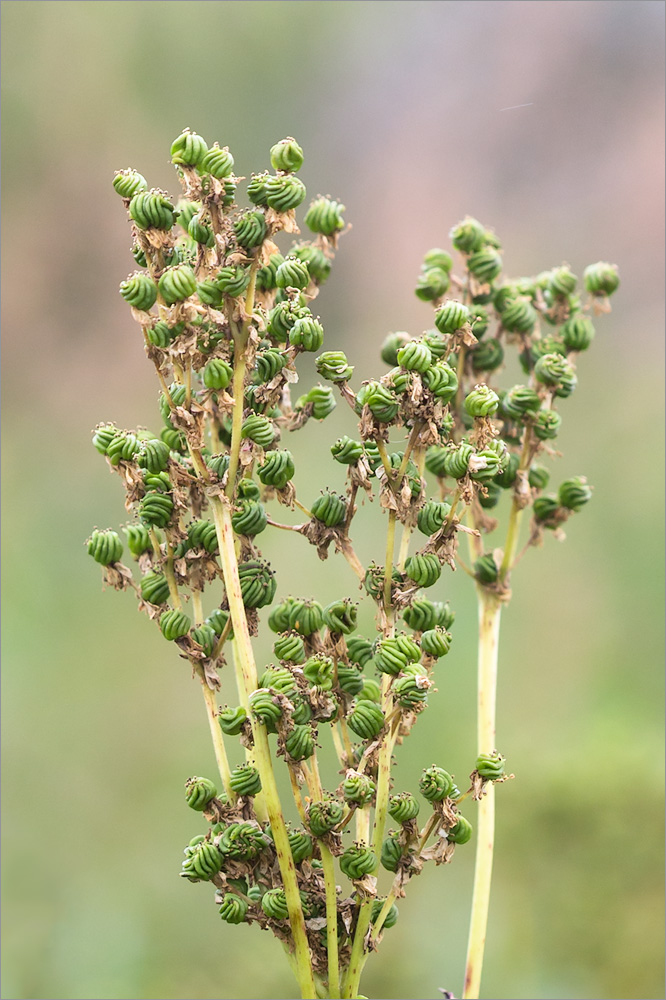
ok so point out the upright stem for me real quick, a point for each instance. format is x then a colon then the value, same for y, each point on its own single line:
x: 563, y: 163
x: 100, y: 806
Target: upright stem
x: 218, y: 740
x: 490, y: 609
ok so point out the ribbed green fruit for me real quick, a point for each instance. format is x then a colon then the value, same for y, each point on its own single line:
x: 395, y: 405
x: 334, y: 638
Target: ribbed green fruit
x: 174, y: 624
x: 199, y: 792
x: 435, y: 784
x: 245, y: 780
x: 358, y: 861
x: 105, y: 547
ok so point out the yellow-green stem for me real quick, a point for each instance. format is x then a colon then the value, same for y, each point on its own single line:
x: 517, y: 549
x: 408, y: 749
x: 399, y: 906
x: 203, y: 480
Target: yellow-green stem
x: 238, y: 389
x: 388, y: 569
x: 516, y: 515
x: 218, y: 740
x: 328, y: 867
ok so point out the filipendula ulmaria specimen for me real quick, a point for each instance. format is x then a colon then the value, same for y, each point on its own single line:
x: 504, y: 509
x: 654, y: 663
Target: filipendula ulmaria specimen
x: 225, y: 314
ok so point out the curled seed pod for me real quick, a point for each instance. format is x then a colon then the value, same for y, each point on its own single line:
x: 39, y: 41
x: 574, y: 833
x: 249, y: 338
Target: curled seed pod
x: 358, y: 861
x: 380, y: 401
x: 245, y: 780
x: 518, y: 401
x: 138, y: 539
x: 217, y: 374
x: 178, y: 394
x: 302, y: 711
x: 155, y: 509
x: 186, y: 210
x: 411, y: 688
x: 562, y: 281
x: 485, y: 264
x: 129, y: 182
x: 490, y: 766
x: 153, y: 455
x: 105, y: 547
x: 435, y: 784
x: 177, y: 283
x: 284, y: 192
x: 479, y: 319
x: 292, y: 273
x: 159, y: 481
x: 300, y: 743
x: 432, y: 516
x: 325, y: 216
x: 574, y: 493
x: 319, y: 671
x: 232, y: 720
x: 391, y: 656
x: 432, y: 284
x: 242, y: 841
x: 421, y: 615
x: 601, y: 279
x: 277, y: 469
x: 359, y: 650
x: 392, y: 344
x: 199, y: 231
x: 265, y: 279
x: 330, y: 508
x: 268, y: 363
x: 546, y: 509
x: 307, y: 333
x: 218, y: 464
x: 302, y: 845
x: 366, y: 719
x: 218, y: 162
x: 232, y: 280
x: 286, y: 155
x: 257, y: 582
x: 371, y: 691
x: 283, y: 317
x: 484, y: 465
x: 346, y: 451
x: 280, y: 679
x: 203, y: 861
x: 485, y: 569
x: 249, y: 518
x: 122, y: 447
x: 151, y: 210
x: 250, y: 229
x: 437, y: 342
x: 399, y: 380
x: 155, y: 588
x: 233, y: 908
x: 456, y: 460
x: 374, y: 580
x: 358, y: 789
x: 487, y: 356
x: 318, y: 263
x: 403, y: 807
x: 322, y: 400
x: 391, y: 918
x: 372, y: 455
x: 265, y: 709
x: 415, y: 356
x: 274, y: 904
x: 468, y: 235
x: 552, y: 369
x: 519, y: 315
x: 333, y: 365
x: 461, y: 833
x: 278, y: 620
x: 324, y: 815
x: 259, y: 429
x: 451, y: 316
x: 202, y: 535
x: 188, y: 149
x: 139, y: 291
x: 442, y: 381
x: 205, y: 636
x: 445, y: 614
x: 289, y: 647
x: 544, y: 345
x: 176, y: 440
x: 538, y: 477
x: 392, y: 852
x: 217, y: 620
x: 424, y: 569
x: 437, y: 258
x: 547, y: 425
x: 481, y: 401
x: 174, y: 624
x: 103, y: 436
x: 340, y: 616
x: 491, y: 497
x: 436, y: 641
x: 254, y: 893
x: 577, y: 332
x: 199, y: 792
x: 436, y: 456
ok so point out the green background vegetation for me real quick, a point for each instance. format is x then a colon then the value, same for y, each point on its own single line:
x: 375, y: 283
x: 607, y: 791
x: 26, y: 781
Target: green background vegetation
x: 399, y: 107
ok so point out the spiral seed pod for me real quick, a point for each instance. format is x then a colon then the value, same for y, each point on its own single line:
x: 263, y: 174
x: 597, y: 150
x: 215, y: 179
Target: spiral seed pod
x: 307, y: 333
x: 421, y: 615
x: 371, y: 691
x: 436, y: 458
x: 436, y: 641
x: 574, y: 493
x: 485, y: 264
x: 538, y: 477
x: 284, y: 192
x: 479, y: 319
x: 518, y: 401
x: 487, y: 356
x: 217, y: 374
x: 350, y: 680
x: 432, y: 284
x: 519, y: 315
x: 279, y: 618
x: 138, y: 539
x: 203, y: 861
x: 257, y: 582
x: 103, y: 436
x: 490, y: 766
x: 366, y: 719
x: 437, y: 342
x: 424, y: 569
x: 547, y: 425
x: 277, y: 469
x: 129, y: 182
x: 259, y: 429
x: 265, y: 709
x: 174, y: 624
x: 205, y: 636
x: 286, y: 155
x: 177, y: 284
x: 300, y: 743
x: 601, y: 279
x: 391, y: 917
x: 292, y: 273
x: 218, y: 464
x: 411, y: 688
x: 155, y: 588
x: 325, y: 216
x: 176, y: 440
x: 461, y: 833
x: 232, y: 720
x: 280, y: 679
x: 290, y: 648
x: 333, y: 365
x: 381, y: 402
x: 415, y: 356
x: 392, y: 852
x: 242, y: 841
x: 302, y: 845
x: 105, y: 547
x: 202, y: 535
x: 322, y: 400
x: 442, y: 381
x: 340, y: 616
x: 484, y: 465
x: 546, y: 509
x: 319, y: 672
x: 578, y: 332
x: 265, y: 279
x: 268, y: 363
x: 152, y: 210
x: 188, y: 149
x: 403, y: 807
x: 218, y: 162
x: 199, y: 231
x: 232, y: 280
x: 435, y: 784
x: 359, y: 650
x: 451, y: 316
x: 374, y: 580
x: 485, y: 569
x: 358, y: 861
x: 392, y: 344
x: 155, y: 509
x: 283, y: 317
x: 552, y: 369
x: 250, y: 229
x: 330, y: 508
x: 178, y: 395
x: 432, y: 516
x: 233, y: 908
x: 274, y: 904
x: 153, y: 455
x: 324, y: 815
x: 302, y: 711
x: 346, y: 451
x: 391, y: 656
x: 317, y: 262
x: 199, y: 792
x: 245, y: 780
x: 455, y: 461
x: 358, y: 789
x: 562, y: 281
x: 139, y: 291
x: 468, y: 235
x: 185, y: 212
x: 481, y: 401
x: 249, y: 518
x: 158, y: 481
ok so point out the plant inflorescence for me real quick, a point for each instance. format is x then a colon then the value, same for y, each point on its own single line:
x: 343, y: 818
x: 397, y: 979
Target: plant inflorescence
x: 225, y: 315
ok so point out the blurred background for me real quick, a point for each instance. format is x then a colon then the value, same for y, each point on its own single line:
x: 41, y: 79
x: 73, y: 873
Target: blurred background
x: 545, y: 121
